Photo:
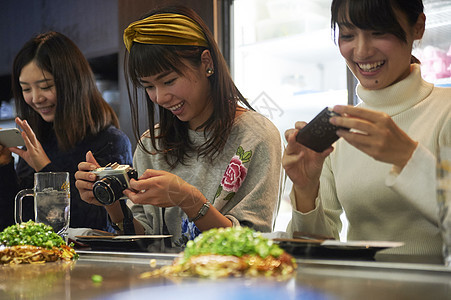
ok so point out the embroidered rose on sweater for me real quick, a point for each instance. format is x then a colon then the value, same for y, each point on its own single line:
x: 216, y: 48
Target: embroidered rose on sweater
x: 235, y: 174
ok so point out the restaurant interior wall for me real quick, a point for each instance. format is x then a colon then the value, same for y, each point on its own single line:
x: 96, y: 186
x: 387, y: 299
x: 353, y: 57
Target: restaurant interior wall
x: 82, y: 21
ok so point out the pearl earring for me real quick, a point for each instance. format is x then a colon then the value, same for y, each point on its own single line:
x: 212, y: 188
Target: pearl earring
x: 210, y: 71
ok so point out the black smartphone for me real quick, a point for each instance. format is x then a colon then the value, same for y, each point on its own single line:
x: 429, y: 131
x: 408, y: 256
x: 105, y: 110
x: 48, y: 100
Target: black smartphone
x: 319, y: 134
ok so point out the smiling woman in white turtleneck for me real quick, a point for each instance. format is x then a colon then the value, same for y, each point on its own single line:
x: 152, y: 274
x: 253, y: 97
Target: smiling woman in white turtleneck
x: 382, y: 172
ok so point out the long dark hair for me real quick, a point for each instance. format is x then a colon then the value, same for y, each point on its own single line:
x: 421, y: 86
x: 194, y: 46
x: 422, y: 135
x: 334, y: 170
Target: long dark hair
x: 378, y: 15
x: 80, y: 109
x: 173, y: 140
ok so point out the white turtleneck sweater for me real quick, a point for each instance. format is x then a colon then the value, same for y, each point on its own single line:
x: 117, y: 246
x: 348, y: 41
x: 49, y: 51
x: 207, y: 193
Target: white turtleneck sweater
x: 380, y: 204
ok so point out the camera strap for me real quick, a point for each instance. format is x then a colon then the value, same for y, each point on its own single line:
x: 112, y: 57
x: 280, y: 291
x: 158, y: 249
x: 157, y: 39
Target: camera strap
x: 167, y: 242
x: 126, y: 225
x: 129, y: 228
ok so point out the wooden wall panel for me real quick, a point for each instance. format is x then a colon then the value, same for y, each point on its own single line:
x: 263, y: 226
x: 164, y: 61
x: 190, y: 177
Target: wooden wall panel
x: 92, y: 25
x: 19, y: 20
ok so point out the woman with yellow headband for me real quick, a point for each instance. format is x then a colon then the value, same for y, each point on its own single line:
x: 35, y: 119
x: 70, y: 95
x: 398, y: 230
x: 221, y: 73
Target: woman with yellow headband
x: 206, y: 161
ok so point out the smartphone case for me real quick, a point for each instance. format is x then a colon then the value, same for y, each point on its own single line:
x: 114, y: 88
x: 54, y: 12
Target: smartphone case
x: 319, y: 134
x: 11, y: 137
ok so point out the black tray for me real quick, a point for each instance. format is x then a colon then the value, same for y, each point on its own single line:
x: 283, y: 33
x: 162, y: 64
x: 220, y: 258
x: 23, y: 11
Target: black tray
x: 356, y: 250
x: 126, y: 243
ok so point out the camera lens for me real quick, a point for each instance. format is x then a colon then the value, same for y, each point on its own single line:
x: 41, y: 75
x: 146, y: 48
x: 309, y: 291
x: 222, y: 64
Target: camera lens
x: 108, y: 189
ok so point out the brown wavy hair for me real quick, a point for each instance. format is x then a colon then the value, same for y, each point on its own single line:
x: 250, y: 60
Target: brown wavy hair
x: 80, y: 109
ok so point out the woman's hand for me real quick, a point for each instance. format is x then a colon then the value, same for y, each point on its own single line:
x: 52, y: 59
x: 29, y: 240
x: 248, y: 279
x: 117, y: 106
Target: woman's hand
x: 85, y: 179
x: 304, y: 167
x: 163, y: 189
x: 34, y: 155
x: 375, y: 134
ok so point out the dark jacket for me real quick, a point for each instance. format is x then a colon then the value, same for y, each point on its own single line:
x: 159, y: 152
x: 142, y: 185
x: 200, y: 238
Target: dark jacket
x: 110, y: 145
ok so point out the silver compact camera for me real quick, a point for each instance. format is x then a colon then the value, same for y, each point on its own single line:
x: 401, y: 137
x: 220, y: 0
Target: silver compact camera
x: 113, y: 179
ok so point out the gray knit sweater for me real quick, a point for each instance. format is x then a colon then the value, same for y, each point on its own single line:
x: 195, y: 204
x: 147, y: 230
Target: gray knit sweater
x: 253, y: 147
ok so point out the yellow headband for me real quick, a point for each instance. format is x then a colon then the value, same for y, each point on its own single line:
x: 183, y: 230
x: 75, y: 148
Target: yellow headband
x: 165, y: 29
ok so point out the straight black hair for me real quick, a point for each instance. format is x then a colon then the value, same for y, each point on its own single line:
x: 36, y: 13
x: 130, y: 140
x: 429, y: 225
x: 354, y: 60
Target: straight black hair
x: 378, y: 15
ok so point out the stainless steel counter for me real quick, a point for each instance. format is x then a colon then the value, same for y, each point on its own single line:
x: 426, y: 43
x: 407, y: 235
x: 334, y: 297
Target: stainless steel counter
x: 315, y: 279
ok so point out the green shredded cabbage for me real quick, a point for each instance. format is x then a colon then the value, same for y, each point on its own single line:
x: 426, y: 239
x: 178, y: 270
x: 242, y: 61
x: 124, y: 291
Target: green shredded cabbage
x: 237, y: 241
x: 30, y: 233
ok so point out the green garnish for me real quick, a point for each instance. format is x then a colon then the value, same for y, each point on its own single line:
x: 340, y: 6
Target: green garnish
x: 96, y: 278
x: 31, y: 233
x: 237, y: 241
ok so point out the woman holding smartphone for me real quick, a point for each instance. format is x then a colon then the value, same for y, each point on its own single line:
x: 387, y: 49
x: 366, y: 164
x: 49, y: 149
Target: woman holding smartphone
x: 62, y: 116
x: 381, y: 174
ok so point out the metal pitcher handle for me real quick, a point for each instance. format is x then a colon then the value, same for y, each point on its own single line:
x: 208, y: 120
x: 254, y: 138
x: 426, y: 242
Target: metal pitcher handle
x: 18, y: 204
